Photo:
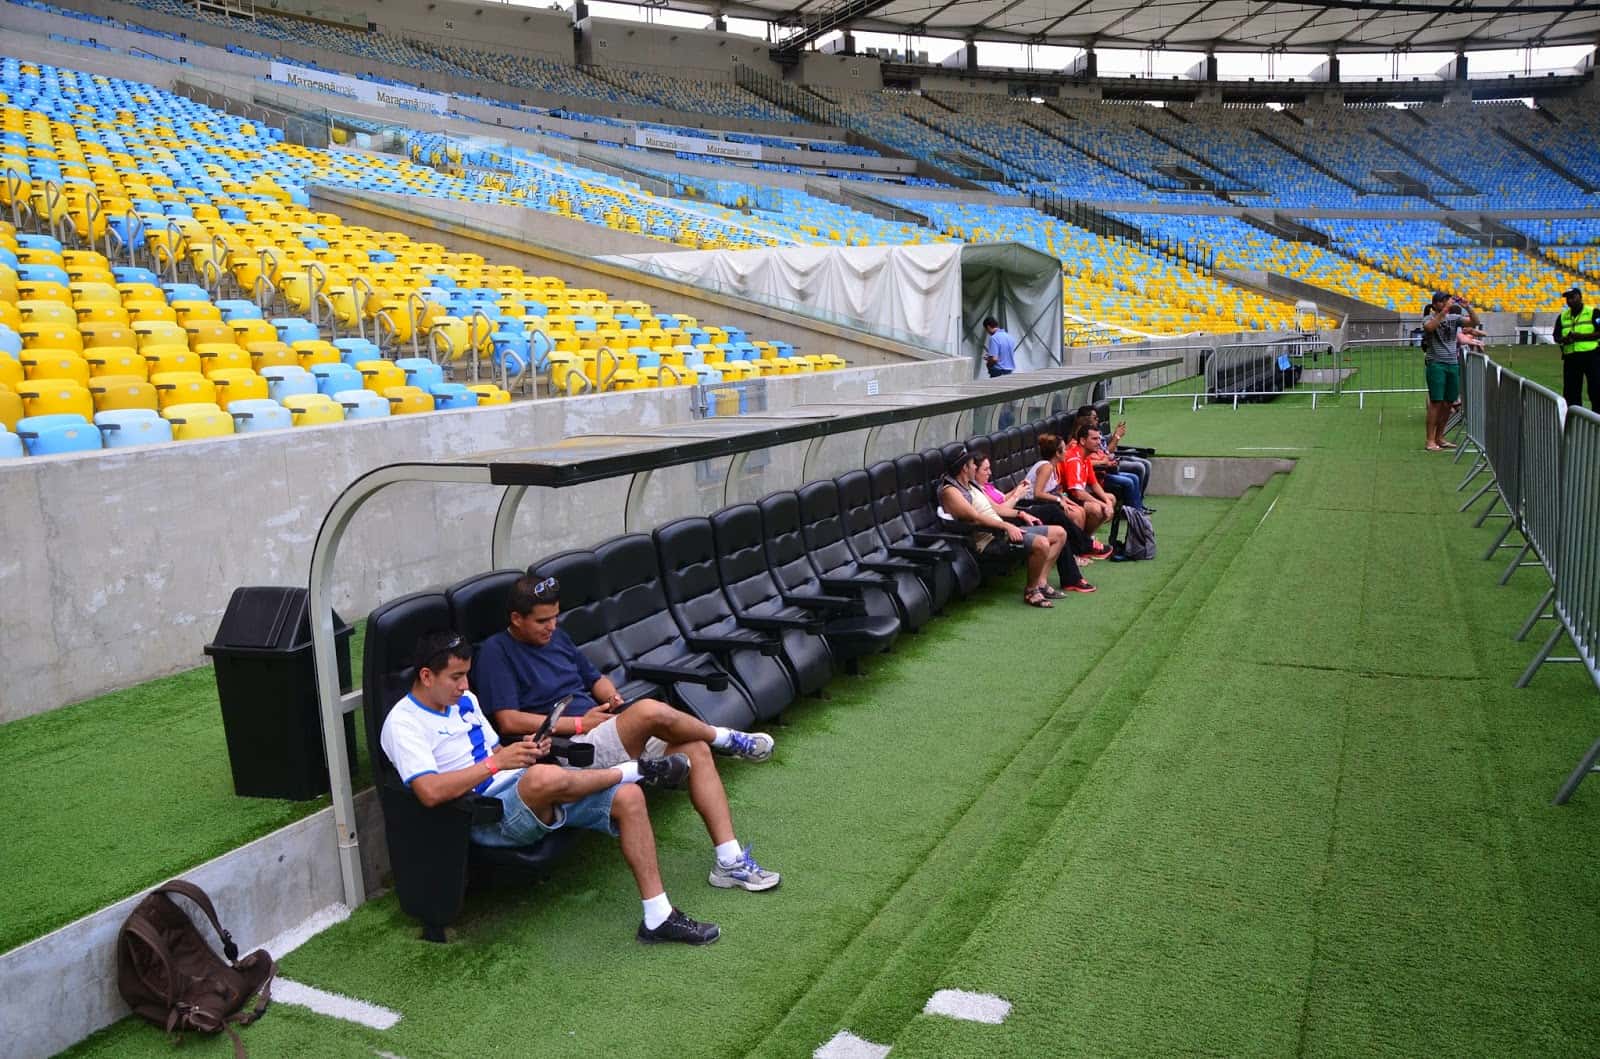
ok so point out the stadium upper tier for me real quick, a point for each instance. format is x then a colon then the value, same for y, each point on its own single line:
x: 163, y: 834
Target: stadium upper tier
x: 95, y: 353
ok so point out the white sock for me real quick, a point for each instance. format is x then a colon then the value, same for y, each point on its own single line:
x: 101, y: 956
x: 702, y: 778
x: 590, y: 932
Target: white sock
x: 723, y: 738
x: 630, y: 772
x: 656, y: 911
x: 729, y: 852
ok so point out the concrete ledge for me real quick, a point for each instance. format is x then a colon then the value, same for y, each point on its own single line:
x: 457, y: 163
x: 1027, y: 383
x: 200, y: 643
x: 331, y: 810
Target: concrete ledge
x: 58, y: 989
x: 1218, y: 476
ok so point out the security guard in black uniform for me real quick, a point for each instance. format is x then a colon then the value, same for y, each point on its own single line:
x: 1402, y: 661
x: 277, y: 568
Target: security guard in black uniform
x: 1578, y: 333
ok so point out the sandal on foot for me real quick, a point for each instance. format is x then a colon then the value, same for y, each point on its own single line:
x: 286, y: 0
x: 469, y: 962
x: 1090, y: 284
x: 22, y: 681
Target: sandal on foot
x: 1049, y: 592
x: 1035, y: 598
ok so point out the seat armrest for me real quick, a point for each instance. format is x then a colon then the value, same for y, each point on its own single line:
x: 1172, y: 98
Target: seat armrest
x: 890, y: 566
x: 712, y: 679
x: 850, y: 604
x: 775, y: 623
x: 849, y: 586
x: 923, y: 555
x: 765, y: 645
x: 948, y: 538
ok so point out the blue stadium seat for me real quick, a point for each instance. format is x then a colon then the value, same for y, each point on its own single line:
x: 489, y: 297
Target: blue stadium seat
x: 452, y: 395
x: 331, y: 378
x: 10, y: 445
x: 54, y: 438
x: 288, y: 381
x: 259, y: 414
x: 132, y: 426
x: 420, y: 372
x: 363, y: 404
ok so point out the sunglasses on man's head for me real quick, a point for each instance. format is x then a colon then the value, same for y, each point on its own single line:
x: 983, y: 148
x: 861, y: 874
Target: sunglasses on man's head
x: 547, y: 585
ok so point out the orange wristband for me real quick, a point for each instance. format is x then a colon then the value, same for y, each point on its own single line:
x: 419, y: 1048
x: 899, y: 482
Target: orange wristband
x: 577, y: 726
x: 489, y: 764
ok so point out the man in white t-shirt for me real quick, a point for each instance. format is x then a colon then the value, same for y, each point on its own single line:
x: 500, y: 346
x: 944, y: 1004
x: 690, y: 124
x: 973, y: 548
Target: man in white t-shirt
x: 443, y: 747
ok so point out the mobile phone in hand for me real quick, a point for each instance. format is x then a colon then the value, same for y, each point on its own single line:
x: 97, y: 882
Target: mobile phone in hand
x: 550, y: 718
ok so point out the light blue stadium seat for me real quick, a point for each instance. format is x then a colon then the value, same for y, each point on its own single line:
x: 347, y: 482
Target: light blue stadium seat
x: 259, y: 414
x: 43, y: 274
x: 10, y: 445
x: 186, y: 292
x: 239, y: 309
x: 452, y: 395
x: 286, y: 382
x: 51, y: 439
x: 132, y: 426
x: 708, y: 373
x: 420, y: 372
x: 363, y: 404
x: 354, y: 350
x: 130, y: 274
x: 331, y: 378
x: 39, y: 242
x: 292, y: 329
x: 10, y: 342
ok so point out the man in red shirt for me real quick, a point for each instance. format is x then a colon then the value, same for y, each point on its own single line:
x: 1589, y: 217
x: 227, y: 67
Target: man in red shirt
x: 1078, y: 481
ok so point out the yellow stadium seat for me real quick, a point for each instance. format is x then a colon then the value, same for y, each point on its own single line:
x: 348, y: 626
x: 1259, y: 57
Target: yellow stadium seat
x: 160, y: 333
x: 10, y: 409
x: 407, y: 400
x: 309, y: 410
x: 272, y: 354
x: 171, y: 358
x: 98, y: 333
x: 11, y: 372
x: 314, y: 351
x: 237, y: 384
x: 194, y: 311
x: 50, y: 336
x: 183, y: 387
x: 380, y: 375
x: 208, y: 332
x: 47, y: 312
x: 193, y: 421
x: 247, y: 331
x: 151, y: 312
x: 113, y: 392
x: 54, y: 364
x: 42, y: 397
x: 489, y: 393
x: 217, y: 356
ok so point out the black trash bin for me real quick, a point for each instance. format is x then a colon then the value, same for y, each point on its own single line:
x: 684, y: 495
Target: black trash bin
x: 267, y: 685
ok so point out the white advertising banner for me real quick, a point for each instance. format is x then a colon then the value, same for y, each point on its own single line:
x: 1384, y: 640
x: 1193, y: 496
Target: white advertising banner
x: 670, y: 141
x: 363, y: 91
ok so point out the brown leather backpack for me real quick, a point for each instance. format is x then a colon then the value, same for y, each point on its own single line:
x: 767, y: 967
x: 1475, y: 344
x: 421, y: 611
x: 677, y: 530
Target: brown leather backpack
x: 171, y: 976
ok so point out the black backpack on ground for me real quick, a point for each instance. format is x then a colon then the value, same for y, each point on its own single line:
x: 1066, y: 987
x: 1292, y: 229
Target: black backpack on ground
x: 1139, y: 539
x: 171, y: 976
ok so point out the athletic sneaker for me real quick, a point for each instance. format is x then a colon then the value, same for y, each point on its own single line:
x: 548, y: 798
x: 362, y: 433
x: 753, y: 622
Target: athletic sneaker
x: 670, y: 772
x: 679, y: 927
x: 752, y: 746
x: 1081, y: 586
x: 744, y: 873
x: 1102, y: 551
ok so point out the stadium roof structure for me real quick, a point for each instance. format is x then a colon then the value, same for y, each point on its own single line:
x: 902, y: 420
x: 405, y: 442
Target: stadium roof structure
x: 1198, y: 25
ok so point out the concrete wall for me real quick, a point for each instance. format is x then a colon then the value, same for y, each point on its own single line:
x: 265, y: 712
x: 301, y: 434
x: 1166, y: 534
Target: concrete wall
x: 673, y: 50
x: 851, y: 73
x: 121, y: 562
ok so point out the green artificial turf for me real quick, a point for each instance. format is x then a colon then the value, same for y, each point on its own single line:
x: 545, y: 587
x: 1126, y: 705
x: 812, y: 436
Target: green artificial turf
x: 118, y: 793
x: 1270, y: 794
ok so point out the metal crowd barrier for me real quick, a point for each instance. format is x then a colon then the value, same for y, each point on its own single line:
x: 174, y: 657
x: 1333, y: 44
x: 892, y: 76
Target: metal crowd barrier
x: 1377, y: 366
x: 1474, y: 381
x: 1544, y: 464
x: 1578, y: 568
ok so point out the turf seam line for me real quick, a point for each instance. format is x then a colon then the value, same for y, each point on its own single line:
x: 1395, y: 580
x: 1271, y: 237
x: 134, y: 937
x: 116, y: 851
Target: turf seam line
x: 1183, y: 572
x: 1225, y: 537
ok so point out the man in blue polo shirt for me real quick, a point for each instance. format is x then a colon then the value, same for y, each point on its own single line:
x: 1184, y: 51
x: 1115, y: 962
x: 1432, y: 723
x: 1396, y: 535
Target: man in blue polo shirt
x: 532, y: 664
x: 440, y: 743
x: 999, y: 349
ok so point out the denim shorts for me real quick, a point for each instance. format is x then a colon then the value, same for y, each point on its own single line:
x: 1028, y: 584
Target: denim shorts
x: 518, y: 826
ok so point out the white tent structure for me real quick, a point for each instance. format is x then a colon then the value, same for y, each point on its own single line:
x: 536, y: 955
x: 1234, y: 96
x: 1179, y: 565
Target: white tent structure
x: 932, y: 295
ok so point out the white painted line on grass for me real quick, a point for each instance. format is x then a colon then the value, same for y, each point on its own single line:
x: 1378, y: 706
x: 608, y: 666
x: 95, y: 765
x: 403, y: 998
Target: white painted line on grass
x: 846, y: 1045
x: 1270, y: 448
x: 334, y: 1005
x: 298, y: 935
x: 973, y: 1007
x: 1267, y: 512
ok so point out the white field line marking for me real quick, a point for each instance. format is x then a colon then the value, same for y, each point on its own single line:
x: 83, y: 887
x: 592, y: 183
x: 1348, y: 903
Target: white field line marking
x: 1267, y: 512
x: 298, y: 935
x: 332, y: 1004
x: 973, y: 1007
x: 846, y: 1045
x: 320, y: 1001
x: 1270, y: 448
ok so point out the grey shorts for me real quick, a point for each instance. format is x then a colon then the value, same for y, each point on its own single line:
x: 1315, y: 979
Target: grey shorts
x: 608, y: 749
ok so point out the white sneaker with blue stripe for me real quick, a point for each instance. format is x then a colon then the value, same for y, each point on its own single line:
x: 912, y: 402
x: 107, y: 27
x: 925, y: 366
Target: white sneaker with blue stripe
x: 744, y: 873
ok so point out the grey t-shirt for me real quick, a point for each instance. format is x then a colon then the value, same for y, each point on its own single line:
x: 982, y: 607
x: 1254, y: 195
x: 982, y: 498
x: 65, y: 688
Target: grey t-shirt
x: 1442, y: 345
